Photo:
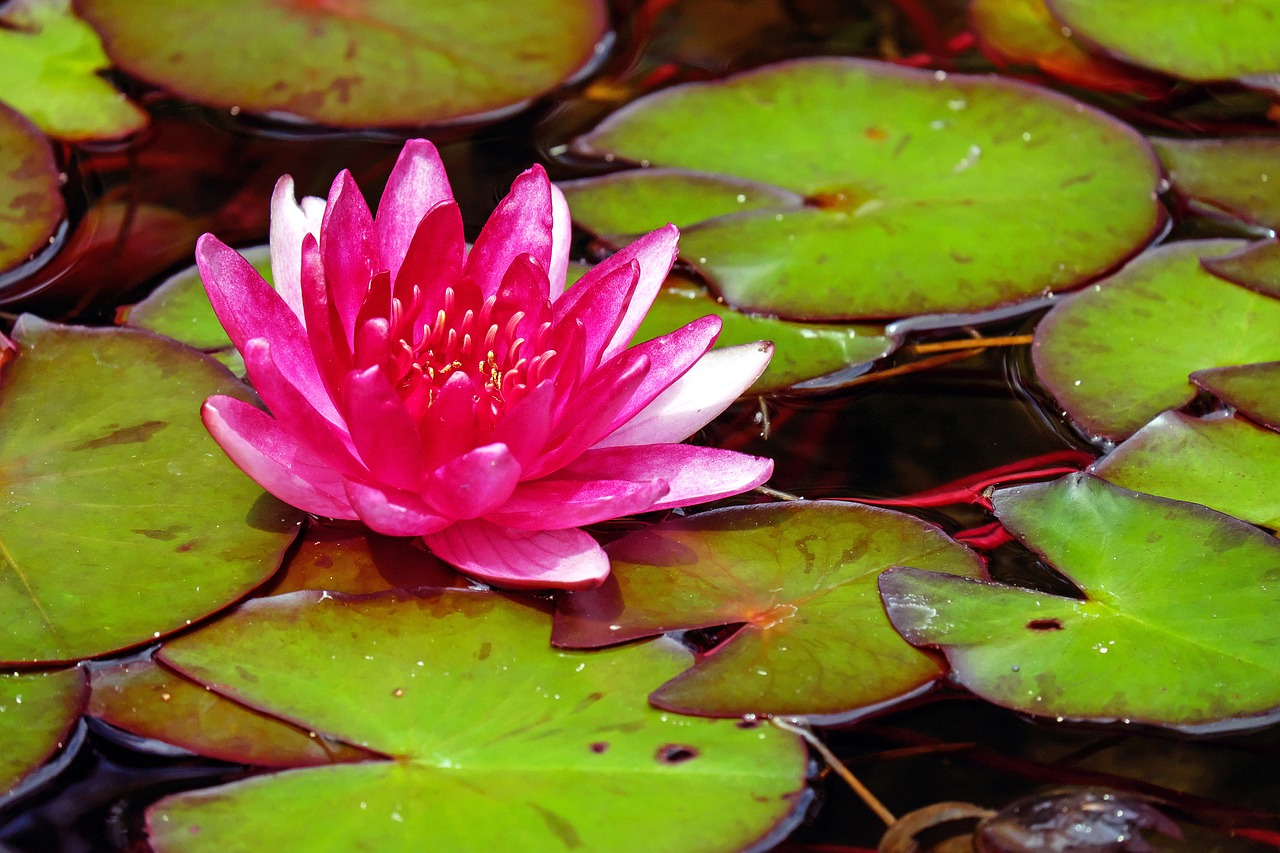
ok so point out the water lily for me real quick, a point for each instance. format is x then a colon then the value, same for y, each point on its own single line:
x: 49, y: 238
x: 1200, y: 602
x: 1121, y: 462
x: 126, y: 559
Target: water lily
x: 465, y: 396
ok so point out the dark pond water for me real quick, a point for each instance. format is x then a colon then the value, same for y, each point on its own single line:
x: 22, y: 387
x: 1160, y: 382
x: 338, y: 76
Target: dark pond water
x: 136, y: 210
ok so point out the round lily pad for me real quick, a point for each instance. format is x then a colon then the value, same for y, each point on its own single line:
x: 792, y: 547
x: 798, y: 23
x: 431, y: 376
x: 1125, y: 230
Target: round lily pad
x: 1176, y: 624
x: 923, y: 192
x: 1118, y: 353
x: 353, y: 64
x: 1236, y: 177
x: 497, y: 741
x: 31, y: 205
x: 151, y: 701
x: 1192, y: 39
x: 1224, y: 463
x: 1253, y: 389
x: 122, y: 520
x: 37, y: 711
x: 800, y: 577
x: 50, y: 74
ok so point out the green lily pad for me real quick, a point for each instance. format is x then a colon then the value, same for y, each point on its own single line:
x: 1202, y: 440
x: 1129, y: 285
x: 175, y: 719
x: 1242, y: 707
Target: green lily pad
x: 355, y: 560
x: 37, y: 711
x: 1176, y: 626
x: 50, y: 74
x: 351, y: 64
x: 801, y: 576
x: 1236, y: 177
x: 122, y: 520
x: 1255, y: 266
x: 31, y: 205
x: 1024, y: 32
x: 807, y: 355
x: 934, y: 200
x: 1253, y: 389
x: 1192, y: 39
x: 149, y: 700
x: 1117, y: 354
x: 497, y: 740
x: 1224, y: 463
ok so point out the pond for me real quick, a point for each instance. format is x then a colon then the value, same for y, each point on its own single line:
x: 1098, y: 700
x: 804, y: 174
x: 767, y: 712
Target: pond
x: 993, y: 528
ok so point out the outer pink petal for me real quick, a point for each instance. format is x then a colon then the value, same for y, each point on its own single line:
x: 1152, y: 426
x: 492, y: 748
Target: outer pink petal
x: 348, y: 248
x: 417, y: 183
x: 705, y: 391
x: 474, y: 483
x: 655, y: 252
x: 382, y: 430
x: 273, y: 458
x: 568, y: 559
x: 392, y: 512
x: 290, y: 222
x: 694, y: 474
x: 248, y: 308
x: 601, y: 310
x: 521, y: 224
x: 562, y: 503
x: 561, y: 236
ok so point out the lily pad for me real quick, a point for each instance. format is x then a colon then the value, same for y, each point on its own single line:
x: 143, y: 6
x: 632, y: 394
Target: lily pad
x: 122, y: 520
x: 1224, y: 463
x: 31, y: 205
x: 1236, y: 177
x: 1117, y: 354
x: 37, y: 711
x: 497, y: 741
x: 50, y: 74
x: 801, y: 577
x: 377, y: 63
x: 1024, y: 32
x: 1173, y: 595
x: 934, y: 200
x: 1192, y: 39
x: 353, y: 559
x: 151, y: 701
x: 1255, y: 266
x: 1253, y: 389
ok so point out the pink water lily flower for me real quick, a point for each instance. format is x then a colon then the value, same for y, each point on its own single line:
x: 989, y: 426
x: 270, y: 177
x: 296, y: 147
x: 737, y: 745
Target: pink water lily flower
x: 465, y: 396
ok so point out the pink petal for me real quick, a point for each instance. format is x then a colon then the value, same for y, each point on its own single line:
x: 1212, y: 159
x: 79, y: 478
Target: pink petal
x: 561, y: 236
x: 289, y: 224
x: 392, y: 512
x: 561, y: 503
x: 526, y: 424
x: 694, y: 474
x: 449, y: 427
x: 601, y: 310
x: 347, y: 247
x: 474, y: 483
x: 273, y: 459
x: 433, y: 260
x: 329, y: 342
x: 248, y: 308
x: 521, y: 225
x: 384, y: 434
x: 521, y: 559
x: 655, y: 252
x: 417, y: 184
x: 718, y: 379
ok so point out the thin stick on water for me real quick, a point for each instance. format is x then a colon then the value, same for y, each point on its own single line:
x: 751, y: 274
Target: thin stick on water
x: 838, y: 766
x: 970, y: 343
x: 780, y: 495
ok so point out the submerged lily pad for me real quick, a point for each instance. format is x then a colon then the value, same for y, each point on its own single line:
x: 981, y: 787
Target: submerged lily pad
x: 37, y: 711
x: 1192, y: 39
x: 1236, y: 177
x: 801, y: 576
x: 50, y: 74
x: 935, y: 199
x: 149, y: 700
x: 1176, y: 626
x: 497, y: 741
x: 1224, y: 463
x: 1253, y: 389
x: 1117, y: 354
x: 374, y: 63
x: 122, y: 520
x: 31, y: 205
